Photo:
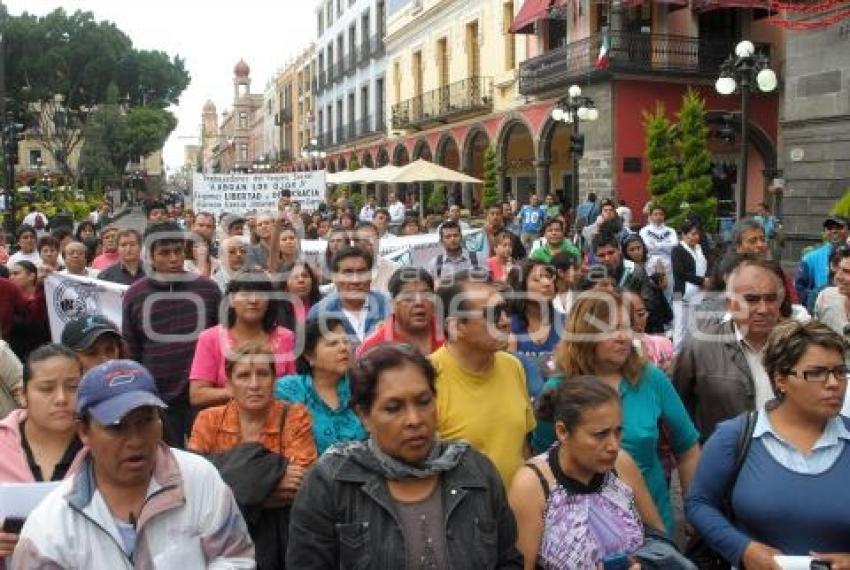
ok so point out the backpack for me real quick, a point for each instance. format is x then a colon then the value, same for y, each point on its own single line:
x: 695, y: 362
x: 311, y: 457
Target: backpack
x: 473, y: 257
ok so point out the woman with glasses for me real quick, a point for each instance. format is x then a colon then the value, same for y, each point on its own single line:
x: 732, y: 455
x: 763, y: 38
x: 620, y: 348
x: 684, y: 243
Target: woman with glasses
x: 404, y: 498
x: 789, y: 493
x: 251, y: 316
x: 322, y: 383
x: 597, y: 341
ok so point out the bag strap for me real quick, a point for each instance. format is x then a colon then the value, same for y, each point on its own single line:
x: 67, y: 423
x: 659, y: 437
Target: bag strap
x: 742, y: 448
x: 439, y: 265
x: 473, y: 258
x: 280, y: 428
x: 543, y: 482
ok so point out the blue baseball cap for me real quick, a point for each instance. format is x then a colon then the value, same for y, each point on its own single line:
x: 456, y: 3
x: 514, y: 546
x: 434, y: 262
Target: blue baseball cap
x: 111, y: 390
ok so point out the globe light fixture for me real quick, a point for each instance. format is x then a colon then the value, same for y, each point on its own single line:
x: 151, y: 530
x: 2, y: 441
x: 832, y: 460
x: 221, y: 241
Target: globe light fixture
x: 745, y: 49
x: 745, y: 71
x: 592, y: 114
x: 574, y: 91
x: 557, y: 114
x: 766, y: 80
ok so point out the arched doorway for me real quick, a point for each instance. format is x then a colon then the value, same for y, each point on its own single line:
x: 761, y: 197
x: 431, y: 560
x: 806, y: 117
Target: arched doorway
x: 448, y: 155
x: 402, y: 158
x: 342, y: 164
x: 367, y: 160
x: 725, y: 148
x: 476, y: 144
x: 515, y: 152
x: 556, y: 157
x: 383, y: 158
x: 422, y: 150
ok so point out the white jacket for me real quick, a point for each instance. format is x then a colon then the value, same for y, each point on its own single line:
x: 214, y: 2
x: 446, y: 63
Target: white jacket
x: 189, y: 521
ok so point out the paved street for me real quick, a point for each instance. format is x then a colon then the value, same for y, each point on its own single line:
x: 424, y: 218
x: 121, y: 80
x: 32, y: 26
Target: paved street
x: 135, y: 220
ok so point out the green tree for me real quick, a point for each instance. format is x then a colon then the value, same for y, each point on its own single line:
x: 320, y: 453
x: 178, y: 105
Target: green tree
x: 842, y: 206
x: 491, y: 179
x: 437, y: 199
x: 660, y: 151
x: 59, y: 69
x: 693, y: 193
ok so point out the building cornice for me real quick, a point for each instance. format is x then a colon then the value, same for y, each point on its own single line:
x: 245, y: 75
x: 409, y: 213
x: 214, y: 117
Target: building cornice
x: 423, y: 20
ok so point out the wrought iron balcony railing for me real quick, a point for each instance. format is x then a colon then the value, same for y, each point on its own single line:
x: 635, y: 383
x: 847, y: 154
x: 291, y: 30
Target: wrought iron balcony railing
x: 376, y: 47
x: 473, y: 95
x: 630, y: 52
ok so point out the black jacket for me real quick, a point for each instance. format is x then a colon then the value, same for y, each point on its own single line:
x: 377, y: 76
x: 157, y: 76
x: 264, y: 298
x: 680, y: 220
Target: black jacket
x: 344, y: 517
x: 684, y: 269
x: 252, y: 473
x: 631, y: 276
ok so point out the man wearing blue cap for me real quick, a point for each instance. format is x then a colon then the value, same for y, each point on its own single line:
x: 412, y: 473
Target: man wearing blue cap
x: 132, y: 501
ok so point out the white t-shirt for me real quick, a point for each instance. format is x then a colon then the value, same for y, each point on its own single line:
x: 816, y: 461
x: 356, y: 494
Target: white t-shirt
x: 396, y: 211
x: 33, y: 258
x: 358, y: 321
x: 30, y: 219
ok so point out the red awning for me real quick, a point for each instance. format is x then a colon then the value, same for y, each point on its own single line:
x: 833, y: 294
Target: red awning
x: 706, y: 5
x: 531, y: 12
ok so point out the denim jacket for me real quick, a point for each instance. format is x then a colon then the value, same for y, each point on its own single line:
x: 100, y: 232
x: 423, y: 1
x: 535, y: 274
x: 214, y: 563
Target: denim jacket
x: 344, y: 517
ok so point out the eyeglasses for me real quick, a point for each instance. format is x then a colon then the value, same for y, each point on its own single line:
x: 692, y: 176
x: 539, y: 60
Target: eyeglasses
x: 821, y: 373
x: 754, y: 299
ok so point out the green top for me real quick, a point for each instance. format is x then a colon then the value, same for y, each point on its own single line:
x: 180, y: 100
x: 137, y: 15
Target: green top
x: 545, y: 254
x: 651, y: 399
x: 553, y: 211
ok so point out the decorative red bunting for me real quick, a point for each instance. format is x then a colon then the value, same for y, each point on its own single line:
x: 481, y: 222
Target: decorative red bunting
x: 802, y: 25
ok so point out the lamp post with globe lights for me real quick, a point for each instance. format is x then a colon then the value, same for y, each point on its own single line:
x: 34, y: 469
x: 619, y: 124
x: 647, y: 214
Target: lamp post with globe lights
x: 312, y: 150
x: 571, y: 110
x: 745, y: 71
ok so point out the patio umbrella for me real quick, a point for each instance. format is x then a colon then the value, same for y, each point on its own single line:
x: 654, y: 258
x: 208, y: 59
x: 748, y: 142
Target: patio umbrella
x: 363, y: 174
x: 426, y: 171
x: 382, y: 175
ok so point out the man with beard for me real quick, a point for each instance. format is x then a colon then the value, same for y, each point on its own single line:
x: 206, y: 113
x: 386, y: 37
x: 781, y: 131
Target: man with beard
x: 454, y: 258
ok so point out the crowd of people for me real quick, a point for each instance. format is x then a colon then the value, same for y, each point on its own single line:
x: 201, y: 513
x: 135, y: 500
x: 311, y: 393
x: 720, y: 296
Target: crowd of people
x: 549, y: 399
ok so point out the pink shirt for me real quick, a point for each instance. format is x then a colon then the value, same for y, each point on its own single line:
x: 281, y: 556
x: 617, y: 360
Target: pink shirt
x: 105, y: 260
x: 214, y: 344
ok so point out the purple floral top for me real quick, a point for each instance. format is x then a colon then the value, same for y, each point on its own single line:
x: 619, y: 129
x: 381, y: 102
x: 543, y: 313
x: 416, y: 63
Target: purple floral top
x: 583, y: 526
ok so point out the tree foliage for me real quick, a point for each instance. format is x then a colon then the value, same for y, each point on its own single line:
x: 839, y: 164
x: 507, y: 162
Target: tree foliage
x: 115, y: 134
x: 842, y: 206
x: 694, y: 188
x: 680, y: 163
x: 60, y: 68
x: 491, y: 179
x: 437, y: 198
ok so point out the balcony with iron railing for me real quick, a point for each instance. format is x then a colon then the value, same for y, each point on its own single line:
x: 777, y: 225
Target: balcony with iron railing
x: 352, y: 61
x: 629, y: 53
x: 466, y: 97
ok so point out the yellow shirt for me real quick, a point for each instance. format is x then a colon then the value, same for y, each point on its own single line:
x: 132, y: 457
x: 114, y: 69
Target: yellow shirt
x: 491, y: 411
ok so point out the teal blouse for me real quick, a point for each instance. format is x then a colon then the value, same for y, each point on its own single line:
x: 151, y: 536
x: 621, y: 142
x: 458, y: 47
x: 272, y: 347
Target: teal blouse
x: 644, y: 403
x: 329, y: 426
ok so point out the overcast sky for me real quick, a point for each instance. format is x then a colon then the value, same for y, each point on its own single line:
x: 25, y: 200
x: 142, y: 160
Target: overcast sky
x: 211, y: 35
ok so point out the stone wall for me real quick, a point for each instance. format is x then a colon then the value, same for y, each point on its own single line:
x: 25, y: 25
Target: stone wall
x: 815, y: 144
x: 596, y: 167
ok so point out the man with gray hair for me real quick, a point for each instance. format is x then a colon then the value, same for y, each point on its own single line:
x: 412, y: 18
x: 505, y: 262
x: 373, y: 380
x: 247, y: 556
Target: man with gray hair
x: 718, y: 371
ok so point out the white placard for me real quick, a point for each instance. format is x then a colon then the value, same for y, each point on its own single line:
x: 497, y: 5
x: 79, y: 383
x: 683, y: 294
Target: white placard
x: 240, y: 193
x: 73, y: 296
x: 19, y: 499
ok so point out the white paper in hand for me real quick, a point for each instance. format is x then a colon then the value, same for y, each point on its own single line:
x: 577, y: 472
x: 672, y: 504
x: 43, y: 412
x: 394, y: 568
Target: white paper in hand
x: 794, y: 562
x: 19, y: 499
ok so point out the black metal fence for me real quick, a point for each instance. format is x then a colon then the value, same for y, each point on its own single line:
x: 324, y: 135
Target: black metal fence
x: 468, y: 95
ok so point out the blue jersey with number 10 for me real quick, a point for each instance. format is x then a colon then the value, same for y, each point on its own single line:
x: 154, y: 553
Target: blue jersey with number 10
x: 531, y: 219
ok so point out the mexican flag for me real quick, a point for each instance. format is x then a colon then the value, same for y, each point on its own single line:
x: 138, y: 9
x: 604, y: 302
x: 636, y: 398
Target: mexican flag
x: 602, y: 59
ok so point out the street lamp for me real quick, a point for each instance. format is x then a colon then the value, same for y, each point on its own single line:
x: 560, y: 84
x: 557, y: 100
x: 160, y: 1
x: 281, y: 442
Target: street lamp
x: 571, y: 110
x: 745, y: 70
x: 312, y: 150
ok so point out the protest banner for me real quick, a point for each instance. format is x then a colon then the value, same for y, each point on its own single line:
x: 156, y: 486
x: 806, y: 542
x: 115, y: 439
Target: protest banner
x: 73, y: 296
x: 422, y: 247
x: 240, y: 193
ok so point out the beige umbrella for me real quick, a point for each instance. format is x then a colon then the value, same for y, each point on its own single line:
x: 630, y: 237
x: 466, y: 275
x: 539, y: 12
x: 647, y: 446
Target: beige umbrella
x: 426, y: 171
x: 363, y: 174
x: 382, y: 175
